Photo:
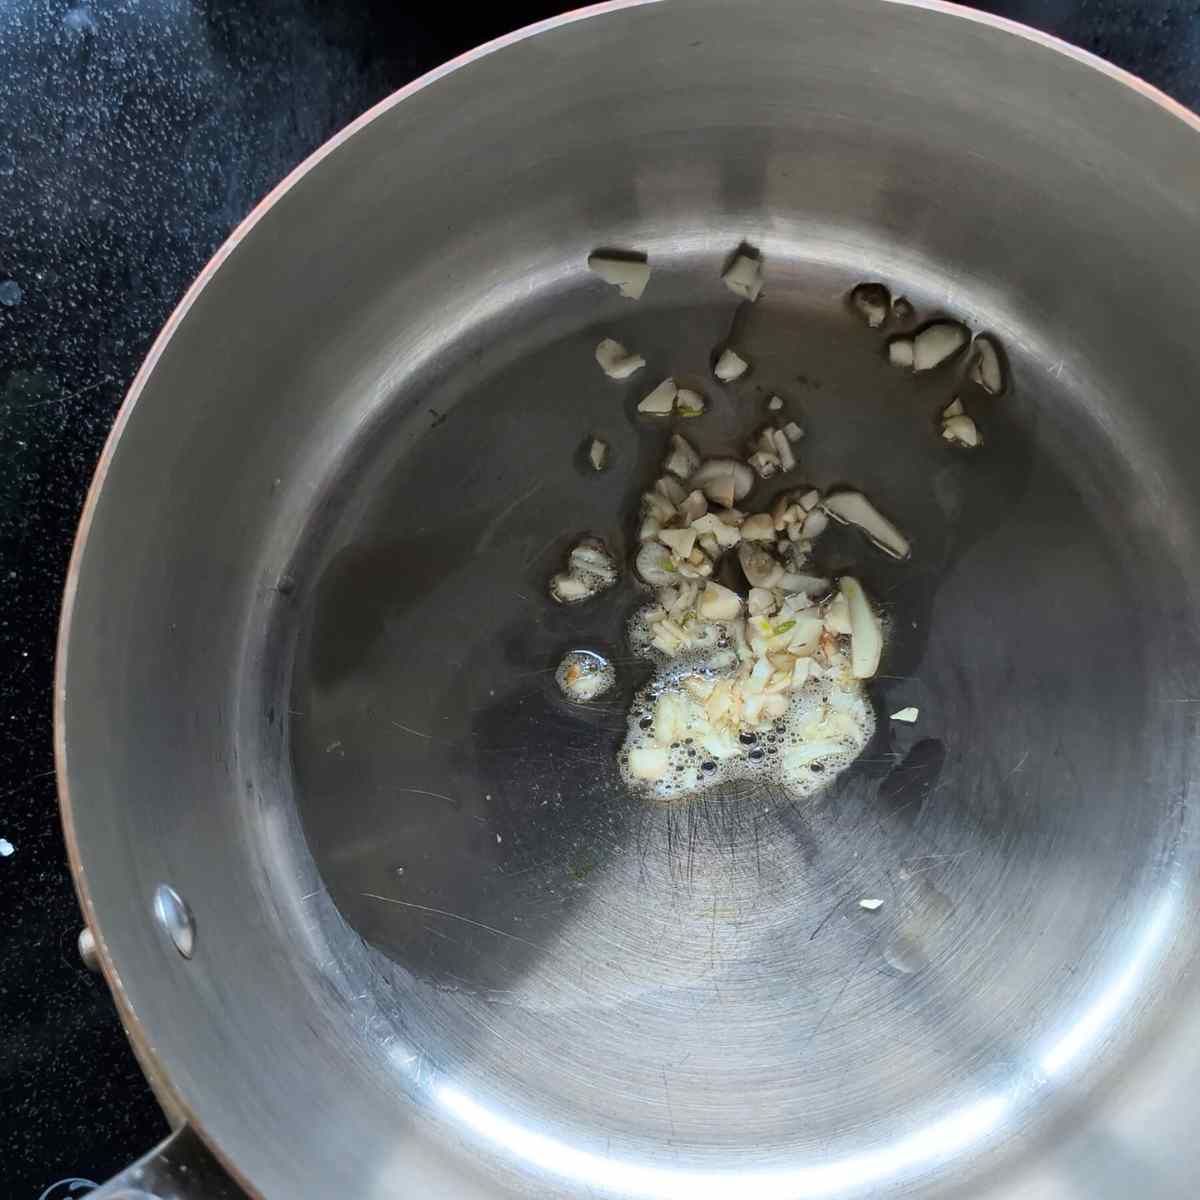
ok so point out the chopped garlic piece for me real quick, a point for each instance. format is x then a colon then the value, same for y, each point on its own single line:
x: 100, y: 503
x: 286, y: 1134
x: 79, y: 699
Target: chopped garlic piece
x: 682, y: 460
x: 805, y: 635
x: 693, y: 507
x: 775, y: 404
x: 661, y: 400
x: 566, y: 589
x: 985, y: 368
x: 583, y: 675
x: 759, y: 528
x: 866, y: 634
x: 689, y: 403
x: 649, y: 762
x: 871, y: 904
x: 617, y: 362
x: 759, y: 567
x: 937, y: 343
x: 655, y: 505
x: 680, y: 541
x: 766, y: 465
x: 598, y: 454
x: 730, y: 366
x: 953, y: 409
x: 900, y: 352
x: 745, y: 277
x: 627, y: 273
x: 725, y: 534
x: 721, y: 490
x: 717, y: 468
x: 761, y: 602
x: 670, y: 490
x: 718, y: 603
x: 853, y: 508
x: 793, y: 432
x: 872, y: 301
x: 590, y: 556
x: 907, y: 715
x: 783, y: 447
x: 963, y: 431
x: 837, y: 615
x: 654, y: 565
x: 814, y: 525
x: 591, y: 569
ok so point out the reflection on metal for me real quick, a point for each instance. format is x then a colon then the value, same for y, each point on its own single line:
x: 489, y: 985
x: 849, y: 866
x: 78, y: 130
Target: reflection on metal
x: 1100, y: 1017
x: 173, y: 915
x: 581, y: 1168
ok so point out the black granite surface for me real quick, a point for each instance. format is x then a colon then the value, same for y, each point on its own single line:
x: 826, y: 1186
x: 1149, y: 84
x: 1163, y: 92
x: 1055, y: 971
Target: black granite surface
x: 134, y: 134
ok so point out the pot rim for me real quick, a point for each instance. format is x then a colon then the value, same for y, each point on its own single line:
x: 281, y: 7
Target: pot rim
x: 176, y: 1104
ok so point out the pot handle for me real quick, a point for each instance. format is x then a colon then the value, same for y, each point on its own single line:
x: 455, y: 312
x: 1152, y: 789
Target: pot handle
x: 180, y: 1167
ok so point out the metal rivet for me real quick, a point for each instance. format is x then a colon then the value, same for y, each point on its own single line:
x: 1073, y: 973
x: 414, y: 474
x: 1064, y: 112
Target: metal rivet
x: 172, y: 913
x: 87, y: 949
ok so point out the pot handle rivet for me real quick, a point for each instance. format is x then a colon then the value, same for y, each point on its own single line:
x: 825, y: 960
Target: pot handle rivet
x: 87, y: 949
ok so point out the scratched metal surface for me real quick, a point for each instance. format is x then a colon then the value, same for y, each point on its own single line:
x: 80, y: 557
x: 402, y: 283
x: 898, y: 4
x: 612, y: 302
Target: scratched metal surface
x: 439, y: 950
x: 698, y: 976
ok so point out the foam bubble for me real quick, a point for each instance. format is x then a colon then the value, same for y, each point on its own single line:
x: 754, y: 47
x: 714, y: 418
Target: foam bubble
x: 584, y: 675
x: 828, y: 723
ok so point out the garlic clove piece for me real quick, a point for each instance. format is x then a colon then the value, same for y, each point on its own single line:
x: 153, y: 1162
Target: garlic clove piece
x: 682, y: 459
x: 900, y: 352
x: 717, y: 468
x: 986, y: 368
x: 962, y: 431
x: 759, y: 528
x: 938, y: 343
x: 617, y: 362
x: 661, y: 401
x: 653, y: 563
x: 872, y: 302
x: 853, y: 508
x: 628, y: 273
x: 745, y: 276
x: 866, y: 633
x: 718, y: 603
x: 681, y: 542
x: 730, y: 366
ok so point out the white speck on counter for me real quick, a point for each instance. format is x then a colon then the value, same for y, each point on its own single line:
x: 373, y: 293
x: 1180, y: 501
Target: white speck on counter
x: 6, y: 848
x: 871, y: 904
x: 907, y: 715
x: 79, y: 20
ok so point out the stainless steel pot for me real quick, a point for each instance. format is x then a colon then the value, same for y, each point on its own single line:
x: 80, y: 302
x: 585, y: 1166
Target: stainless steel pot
x: 377, y: 914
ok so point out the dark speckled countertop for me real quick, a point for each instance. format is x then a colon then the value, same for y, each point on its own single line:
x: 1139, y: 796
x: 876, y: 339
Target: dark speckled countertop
x: 135, y: 134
